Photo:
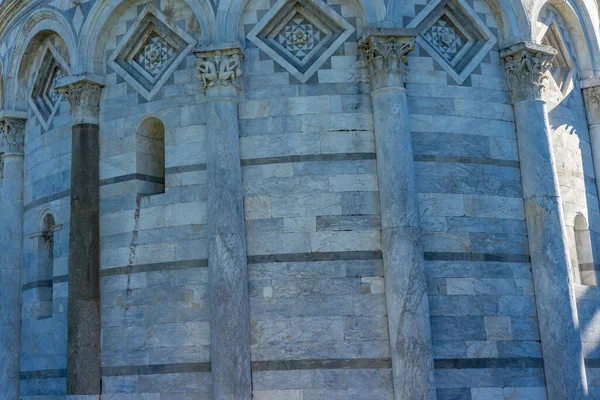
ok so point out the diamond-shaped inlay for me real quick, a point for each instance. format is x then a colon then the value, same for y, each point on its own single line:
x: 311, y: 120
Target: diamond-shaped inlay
x: 562, y: 65
x: 453, y: 34
x: 301, y: 35
x: 150, y: 51
x: 44, y: 98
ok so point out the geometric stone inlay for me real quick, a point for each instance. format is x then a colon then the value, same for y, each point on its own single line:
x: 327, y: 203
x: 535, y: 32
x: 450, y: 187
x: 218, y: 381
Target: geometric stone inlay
x: 454, y: 35
x: 562, y: 66
x: 300, y: 35
x: 44, y: 99
x: 150, y: 52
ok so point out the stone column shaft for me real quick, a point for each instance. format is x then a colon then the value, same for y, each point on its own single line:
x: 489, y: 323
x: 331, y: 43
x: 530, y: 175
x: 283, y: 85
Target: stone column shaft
x: 219, y: 70
x: 405, y: 283
x: 526, y: 65
x: 12, y: 131
x: 84, y: 330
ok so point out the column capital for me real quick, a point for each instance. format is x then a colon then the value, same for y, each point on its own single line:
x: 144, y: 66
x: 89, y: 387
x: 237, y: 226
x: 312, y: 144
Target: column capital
x: 83, y: 92
x: 12, y: 131
x: 526, y: 64
x: 591, y: 96
x: 386, y: 55
x: 219, y: 70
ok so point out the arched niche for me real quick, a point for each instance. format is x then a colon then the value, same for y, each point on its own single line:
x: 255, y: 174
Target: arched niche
x: 150, y: 156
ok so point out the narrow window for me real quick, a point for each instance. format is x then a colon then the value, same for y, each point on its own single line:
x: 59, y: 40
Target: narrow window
x: 45, y: 268
x: 585, y: 256
x: 150, y: 157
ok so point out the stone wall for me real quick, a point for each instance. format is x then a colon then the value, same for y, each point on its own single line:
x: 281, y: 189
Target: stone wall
x: 317, y: 259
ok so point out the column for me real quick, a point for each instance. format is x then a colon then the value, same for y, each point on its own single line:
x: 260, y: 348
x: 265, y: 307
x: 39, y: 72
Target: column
x: 405, y: 284
x: 526, y: 65
x: 83, y: 337
x: 219, y: 70
x: 591, y: 96
x: 12, y: 131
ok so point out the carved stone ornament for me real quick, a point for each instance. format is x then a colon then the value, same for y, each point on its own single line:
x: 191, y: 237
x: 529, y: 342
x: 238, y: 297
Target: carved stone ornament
x: 592, y: 103
x: 84, y: 97
x: 220, y: 69
x: 386, y: 58
x: 12, y: 133
x: 526, y: 65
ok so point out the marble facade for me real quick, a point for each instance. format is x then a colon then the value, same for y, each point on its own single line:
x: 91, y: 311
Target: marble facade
x: 299, y: 199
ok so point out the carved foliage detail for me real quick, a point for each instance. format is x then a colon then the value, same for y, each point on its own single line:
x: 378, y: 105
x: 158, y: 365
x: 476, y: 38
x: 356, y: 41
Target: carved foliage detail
x: 592, y: 102
x: 387, y: 56
x: 526, y: 71
x: 219, y: 69
x: 12, y: 133
x: 84, y: 98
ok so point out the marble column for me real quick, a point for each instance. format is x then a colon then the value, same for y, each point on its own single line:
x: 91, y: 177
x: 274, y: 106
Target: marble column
x: 219, y: 70
x: 12, y: 131
x: 591, y: 96
x: 84, y: 329
x: 526, y: 65
x: 405, y: 284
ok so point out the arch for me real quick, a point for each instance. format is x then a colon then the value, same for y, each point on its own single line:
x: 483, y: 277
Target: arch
x: 512, y: 20
x: 584, y: 267
x: 41, y: 22
x: 150, y: 156
x: 230, y: 13
x: 102, y: 11
x: 581, y: 23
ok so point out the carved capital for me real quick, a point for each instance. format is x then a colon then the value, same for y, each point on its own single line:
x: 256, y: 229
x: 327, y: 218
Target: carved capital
x: 219, y: 69
x: 386, y: 57
x: 591, y: 96
x: 526, y: 65
x: 12, y: 133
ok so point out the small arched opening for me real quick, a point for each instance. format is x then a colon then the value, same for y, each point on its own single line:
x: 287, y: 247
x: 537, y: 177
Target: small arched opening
x: 150, y: 157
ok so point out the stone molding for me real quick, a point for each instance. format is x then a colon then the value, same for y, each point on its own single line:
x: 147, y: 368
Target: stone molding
x: 386, y: 57
x: 526, y: 65
x: 83, y: 93
x: 219, y: 68
x: 12, y: 132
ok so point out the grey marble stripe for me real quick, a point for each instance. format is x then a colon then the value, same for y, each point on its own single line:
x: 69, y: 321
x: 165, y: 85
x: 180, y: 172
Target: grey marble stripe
x: 589, y: 267
x: 303, y: 257
x: 497, y: 257
x: 156, y: 369
x: 186, y: 168
x: 43, y: 374
x: 131, y: 177
x: 45, y: 283
x: 479, y: 363
x: 346, y: 363
x: 309, y: 158
x: 37, y: 284
x: 592, y: 362
x: 466, y: 160
x: 165, y: 266
x: 47, y: 199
